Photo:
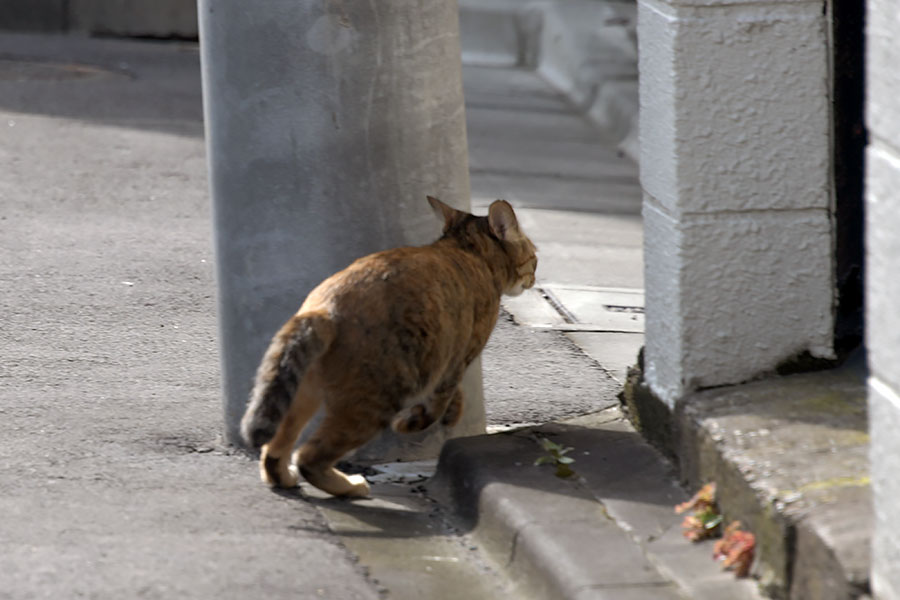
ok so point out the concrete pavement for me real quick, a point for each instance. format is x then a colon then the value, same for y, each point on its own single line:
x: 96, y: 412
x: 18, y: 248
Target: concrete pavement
x: 113, y: 482
x: 113, y: 479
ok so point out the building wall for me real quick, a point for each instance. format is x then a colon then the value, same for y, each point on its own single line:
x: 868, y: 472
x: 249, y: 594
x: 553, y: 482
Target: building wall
x: 883, y: 286
x: 735, y: 165
x: 152, y: 18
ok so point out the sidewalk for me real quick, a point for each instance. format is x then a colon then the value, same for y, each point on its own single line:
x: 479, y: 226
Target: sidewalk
x: 559, y: 353
x: 612, y: 533
x: 113, y: 480
x: 789, y: 453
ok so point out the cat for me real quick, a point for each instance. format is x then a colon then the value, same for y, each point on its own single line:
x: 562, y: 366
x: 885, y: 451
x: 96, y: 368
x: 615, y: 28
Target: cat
x: 384, y: 342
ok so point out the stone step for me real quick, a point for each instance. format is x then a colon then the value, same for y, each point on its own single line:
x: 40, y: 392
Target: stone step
x: 790, y: 458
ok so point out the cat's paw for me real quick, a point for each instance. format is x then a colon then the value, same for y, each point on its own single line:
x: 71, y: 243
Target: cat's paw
x: 358, y: 487
x: 412, y: 419
x: 278, y: 472
x: 453, y: 413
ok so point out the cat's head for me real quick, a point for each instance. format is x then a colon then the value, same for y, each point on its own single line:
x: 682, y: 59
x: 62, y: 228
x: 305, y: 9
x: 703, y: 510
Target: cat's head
x: 501, y: 224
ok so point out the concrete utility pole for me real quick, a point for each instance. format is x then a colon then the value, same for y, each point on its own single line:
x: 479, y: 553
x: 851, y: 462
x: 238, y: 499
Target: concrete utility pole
x: 327, y: 123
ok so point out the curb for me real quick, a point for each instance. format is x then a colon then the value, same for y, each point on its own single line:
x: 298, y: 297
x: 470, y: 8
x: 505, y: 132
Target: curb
x: 789, y: 456
x: 609, y: 533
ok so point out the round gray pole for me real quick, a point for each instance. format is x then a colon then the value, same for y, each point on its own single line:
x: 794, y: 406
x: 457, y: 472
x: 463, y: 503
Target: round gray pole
x: 327, y: 124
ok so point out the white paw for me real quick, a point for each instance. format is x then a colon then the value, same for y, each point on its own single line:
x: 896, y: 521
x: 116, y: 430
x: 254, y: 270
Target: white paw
x: 291, y: 478
x: 359, y: 487
x: 288, y: 476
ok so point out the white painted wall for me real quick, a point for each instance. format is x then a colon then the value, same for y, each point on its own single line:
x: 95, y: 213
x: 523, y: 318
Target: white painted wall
x: 735, y: 165
x: 883, y: 286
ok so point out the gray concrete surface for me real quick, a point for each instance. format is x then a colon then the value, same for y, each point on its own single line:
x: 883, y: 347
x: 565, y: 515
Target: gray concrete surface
x: 790, y: 456
x: 610, y: 532
x: 323, y: 156
x: 113, y: 481
x: 535, y: 375
x: 114, y: 477
x: 113, y: 470
x: 409, y: 546
x: 586, y: 49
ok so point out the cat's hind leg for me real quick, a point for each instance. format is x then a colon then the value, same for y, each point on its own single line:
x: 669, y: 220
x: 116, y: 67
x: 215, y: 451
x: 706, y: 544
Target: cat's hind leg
x: 454, y: 410
x: 335, y: 437
x: 445, y: 404
x: 275, y: 466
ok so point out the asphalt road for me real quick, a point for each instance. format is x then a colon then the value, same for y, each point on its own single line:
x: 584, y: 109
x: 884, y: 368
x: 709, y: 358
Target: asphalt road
x: 113, y: 476
x: 535, y: 376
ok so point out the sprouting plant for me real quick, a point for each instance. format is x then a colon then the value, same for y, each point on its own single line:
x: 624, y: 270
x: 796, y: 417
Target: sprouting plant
x: 705, y: 518
x: 556, y: 455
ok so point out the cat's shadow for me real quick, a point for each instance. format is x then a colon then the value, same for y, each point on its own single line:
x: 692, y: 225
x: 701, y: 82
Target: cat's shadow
x: 385, y: 514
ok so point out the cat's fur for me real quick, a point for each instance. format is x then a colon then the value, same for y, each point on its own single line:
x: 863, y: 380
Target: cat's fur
x: 384, y: 342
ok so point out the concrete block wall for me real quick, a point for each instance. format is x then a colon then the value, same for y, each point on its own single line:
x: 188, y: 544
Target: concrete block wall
x: 883, y: 286
x: 735, y: 165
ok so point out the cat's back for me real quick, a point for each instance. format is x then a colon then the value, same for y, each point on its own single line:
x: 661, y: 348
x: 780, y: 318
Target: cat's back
x: 405, y: 313
x: 420, y: 279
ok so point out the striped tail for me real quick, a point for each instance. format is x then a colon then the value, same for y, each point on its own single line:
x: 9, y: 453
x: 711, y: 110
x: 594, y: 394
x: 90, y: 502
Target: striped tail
x: 294, y: 348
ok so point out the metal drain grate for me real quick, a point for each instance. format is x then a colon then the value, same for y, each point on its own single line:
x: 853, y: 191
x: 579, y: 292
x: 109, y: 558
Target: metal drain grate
x: 579, y: 308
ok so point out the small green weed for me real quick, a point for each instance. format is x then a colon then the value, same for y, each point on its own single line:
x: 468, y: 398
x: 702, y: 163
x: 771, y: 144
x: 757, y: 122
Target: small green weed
x: 556, y: 455
x: 705, y: 521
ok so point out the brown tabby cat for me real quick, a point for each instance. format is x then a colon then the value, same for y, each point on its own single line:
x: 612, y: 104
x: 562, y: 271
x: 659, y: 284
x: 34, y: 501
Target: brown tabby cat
x: 385, y: 341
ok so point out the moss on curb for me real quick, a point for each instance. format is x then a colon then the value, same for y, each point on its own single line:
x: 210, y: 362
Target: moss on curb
x: 649, y: 415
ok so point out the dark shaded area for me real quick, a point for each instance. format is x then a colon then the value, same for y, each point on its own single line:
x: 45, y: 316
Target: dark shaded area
x: 850, y: 138
x: 144, y: 85
x: 34, y: 15
x: 805, y: 362
x: 174, y: 20
x: 649, y: 415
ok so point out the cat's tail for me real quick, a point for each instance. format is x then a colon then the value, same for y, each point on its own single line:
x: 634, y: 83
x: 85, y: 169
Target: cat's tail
x: 301, y: 340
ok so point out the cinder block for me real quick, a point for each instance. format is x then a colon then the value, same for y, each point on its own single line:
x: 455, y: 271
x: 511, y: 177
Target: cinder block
x: 756, y: 291
x: 883, y: 287
x: 882, y: 75
x: 664, y: 317
x: 883, y: 263
x: 734, y: 106
x: 658, y: 105
x: 884, y: 422
x: 731, y: 296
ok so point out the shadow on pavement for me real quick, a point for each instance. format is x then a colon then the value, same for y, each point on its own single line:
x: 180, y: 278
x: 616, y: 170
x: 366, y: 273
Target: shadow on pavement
x: 138, y: 84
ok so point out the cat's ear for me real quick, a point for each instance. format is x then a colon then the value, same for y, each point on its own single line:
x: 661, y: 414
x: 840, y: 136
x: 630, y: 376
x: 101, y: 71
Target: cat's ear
x: 447, y: 213
x: 503, y: 220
